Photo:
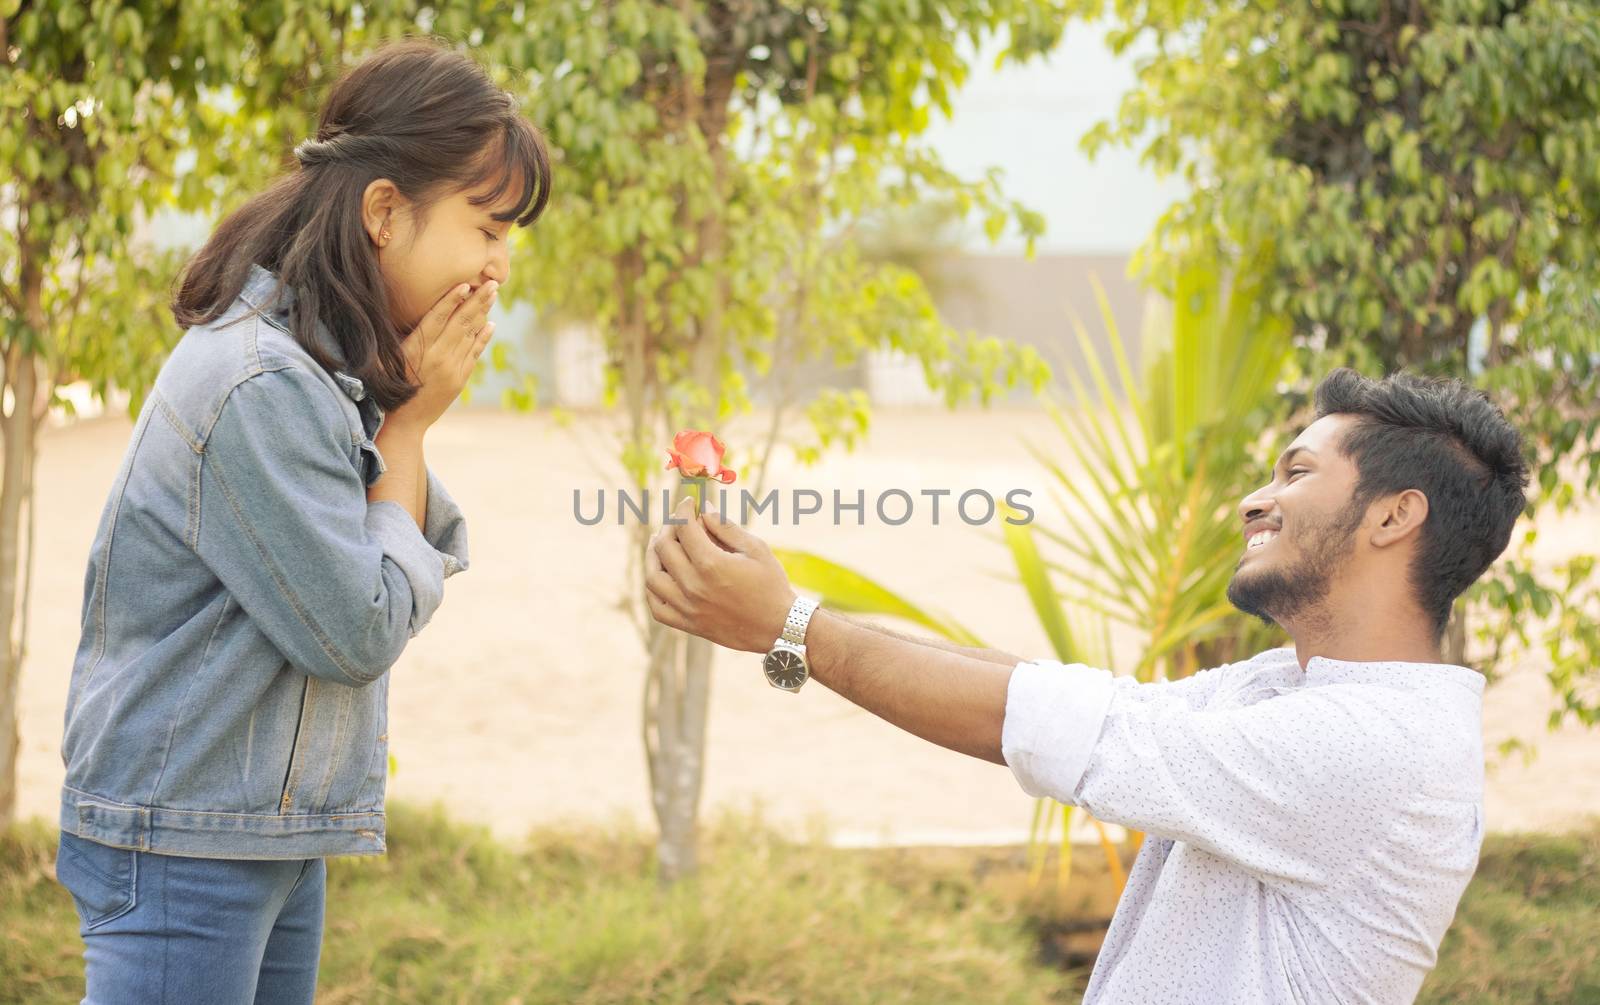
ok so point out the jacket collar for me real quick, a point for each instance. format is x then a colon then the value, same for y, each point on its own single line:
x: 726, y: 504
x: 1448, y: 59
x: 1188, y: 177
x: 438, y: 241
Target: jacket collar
x: 271, y: 299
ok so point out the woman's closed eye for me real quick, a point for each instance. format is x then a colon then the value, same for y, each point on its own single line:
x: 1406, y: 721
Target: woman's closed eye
x: 491, y: 235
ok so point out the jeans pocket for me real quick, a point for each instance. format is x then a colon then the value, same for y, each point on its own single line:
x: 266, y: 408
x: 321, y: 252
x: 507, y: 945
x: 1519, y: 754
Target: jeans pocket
x: 103, y: 880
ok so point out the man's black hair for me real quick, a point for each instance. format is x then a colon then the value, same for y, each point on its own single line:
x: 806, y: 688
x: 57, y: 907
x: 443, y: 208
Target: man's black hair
x: 1448, y: 441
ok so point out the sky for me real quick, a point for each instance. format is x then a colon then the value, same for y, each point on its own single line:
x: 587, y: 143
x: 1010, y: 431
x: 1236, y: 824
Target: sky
x: 1027, y: 120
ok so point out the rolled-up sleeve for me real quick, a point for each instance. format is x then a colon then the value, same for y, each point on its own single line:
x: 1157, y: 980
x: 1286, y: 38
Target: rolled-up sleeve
x: 1284, y: 787
x: 444, y: 528
x: 1053, y: 719
x: 337, y: 584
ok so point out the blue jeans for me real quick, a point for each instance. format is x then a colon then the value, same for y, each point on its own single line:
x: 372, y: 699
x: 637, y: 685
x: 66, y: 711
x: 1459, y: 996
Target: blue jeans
x: 164, y: 930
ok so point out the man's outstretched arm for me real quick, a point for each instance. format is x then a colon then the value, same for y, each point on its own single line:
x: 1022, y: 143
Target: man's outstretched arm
x: 989, y: 655
x: 715, y: 579
x: 949, y: 698
x: 1280, y: 787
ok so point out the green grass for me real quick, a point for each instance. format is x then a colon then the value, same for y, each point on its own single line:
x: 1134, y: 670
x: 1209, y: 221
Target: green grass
x: 40, y: 955
x: 1528, y: 930
x: 577, y: 916
x: 451, y: 915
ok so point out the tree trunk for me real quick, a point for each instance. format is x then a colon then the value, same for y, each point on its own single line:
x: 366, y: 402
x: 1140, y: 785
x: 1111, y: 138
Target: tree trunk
x: 18, y: 431
x: 677, y: 692
x: 677, y: 697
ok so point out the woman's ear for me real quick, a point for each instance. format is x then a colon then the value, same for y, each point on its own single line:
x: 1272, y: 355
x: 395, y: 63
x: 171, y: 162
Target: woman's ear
x: 378, y: 204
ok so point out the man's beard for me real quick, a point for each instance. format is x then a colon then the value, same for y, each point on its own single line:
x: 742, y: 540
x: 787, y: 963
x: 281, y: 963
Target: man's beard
x: 1282, y: 595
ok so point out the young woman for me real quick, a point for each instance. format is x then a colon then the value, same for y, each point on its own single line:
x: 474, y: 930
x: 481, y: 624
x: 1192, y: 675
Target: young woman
x: 274, y: 538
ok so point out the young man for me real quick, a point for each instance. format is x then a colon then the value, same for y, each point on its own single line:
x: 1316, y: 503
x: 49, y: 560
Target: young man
x: 1313, y: 813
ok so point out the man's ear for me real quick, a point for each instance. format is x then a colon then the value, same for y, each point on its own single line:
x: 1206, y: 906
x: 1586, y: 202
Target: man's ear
x: 1398, y: 517
x: 378, y: 204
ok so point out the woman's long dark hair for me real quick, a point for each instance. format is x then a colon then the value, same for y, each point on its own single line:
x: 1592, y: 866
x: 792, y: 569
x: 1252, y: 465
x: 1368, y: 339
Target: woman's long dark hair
x: 415, y: 112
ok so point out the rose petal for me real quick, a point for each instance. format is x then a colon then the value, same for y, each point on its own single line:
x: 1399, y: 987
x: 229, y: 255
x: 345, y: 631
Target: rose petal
x: 697, y: 453
x: 703, y: 452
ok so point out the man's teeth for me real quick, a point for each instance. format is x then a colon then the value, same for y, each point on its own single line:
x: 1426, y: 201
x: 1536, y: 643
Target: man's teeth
x: 1260, y: 538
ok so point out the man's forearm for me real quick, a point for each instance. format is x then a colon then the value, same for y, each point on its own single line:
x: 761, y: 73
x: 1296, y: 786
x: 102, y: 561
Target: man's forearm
x: 949, y: 698
x: 987, y: 655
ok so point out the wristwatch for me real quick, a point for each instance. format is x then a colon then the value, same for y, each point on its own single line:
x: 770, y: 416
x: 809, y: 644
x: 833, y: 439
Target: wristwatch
x: 785, y: 663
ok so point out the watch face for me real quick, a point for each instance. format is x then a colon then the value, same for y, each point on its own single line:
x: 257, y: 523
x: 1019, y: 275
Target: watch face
x: 785, y: 669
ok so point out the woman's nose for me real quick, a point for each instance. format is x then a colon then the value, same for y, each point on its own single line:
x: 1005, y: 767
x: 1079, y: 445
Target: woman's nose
x: 499, y: 266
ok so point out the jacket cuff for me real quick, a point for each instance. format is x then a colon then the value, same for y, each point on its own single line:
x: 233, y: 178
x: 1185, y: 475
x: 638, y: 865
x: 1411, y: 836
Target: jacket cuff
x: 396, y: 532
x: 445, y: 528
x: 1054, y: 713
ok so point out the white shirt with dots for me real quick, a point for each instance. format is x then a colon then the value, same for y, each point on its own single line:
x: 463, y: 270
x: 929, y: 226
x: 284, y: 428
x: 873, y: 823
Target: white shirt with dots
x: 1309, y: 832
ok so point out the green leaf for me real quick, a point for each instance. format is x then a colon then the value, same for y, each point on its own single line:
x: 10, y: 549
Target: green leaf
x: 1041, y: 593
x: 852, y: 592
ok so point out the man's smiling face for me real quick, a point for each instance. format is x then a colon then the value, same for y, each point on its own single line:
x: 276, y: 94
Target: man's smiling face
x: 1299, y: 530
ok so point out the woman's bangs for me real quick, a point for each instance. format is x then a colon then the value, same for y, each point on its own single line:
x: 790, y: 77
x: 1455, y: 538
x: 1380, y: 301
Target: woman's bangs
x: 521, y: 165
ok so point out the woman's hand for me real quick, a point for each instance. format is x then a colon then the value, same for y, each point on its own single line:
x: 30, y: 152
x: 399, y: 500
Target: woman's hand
x: 442, y: 351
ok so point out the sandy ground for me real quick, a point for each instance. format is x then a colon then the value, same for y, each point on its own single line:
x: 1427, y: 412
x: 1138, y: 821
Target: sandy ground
x: 520, y: 704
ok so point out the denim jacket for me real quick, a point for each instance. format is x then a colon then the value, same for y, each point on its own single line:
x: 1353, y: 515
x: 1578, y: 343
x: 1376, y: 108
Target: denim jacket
x: 243, y: 605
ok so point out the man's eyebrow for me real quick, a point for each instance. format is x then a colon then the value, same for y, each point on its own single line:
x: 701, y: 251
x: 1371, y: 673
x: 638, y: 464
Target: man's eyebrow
x: 1288, y: 455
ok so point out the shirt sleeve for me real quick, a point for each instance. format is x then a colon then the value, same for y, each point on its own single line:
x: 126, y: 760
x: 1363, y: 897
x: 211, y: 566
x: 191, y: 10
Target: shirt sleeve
x: 339, y: 585
x: 1289, y: 787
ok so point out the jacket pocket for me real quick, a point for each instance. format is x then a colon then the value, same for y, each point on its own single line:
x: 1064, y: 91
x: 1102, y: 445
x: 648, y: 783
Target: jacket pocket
x: 103, y: 880
x: 291, y: 777
x: 332, y: 744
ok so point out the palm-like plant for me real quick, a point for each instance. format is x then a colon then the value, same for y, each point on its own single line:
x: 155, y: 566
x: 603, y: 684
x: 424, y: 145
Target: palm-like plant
x: 1147, y: 499
x: 1151, y: 537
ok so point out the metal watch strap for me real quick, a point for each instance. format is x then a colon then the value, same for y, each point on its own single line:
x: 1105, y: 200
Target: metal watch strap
x: 794, y: 626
